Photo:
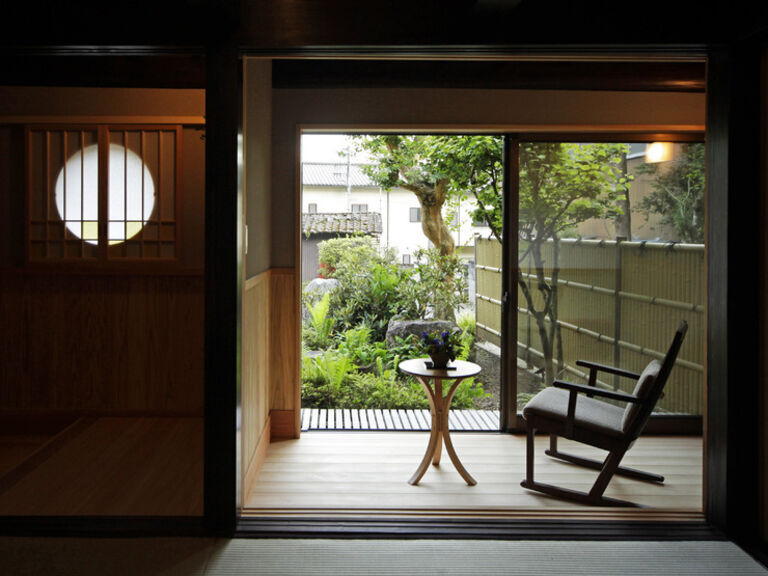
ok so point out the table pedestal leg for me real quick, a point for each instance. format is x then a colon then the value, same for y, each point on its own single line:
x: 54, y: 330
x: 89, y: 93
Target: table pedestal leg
x: 440, y: 407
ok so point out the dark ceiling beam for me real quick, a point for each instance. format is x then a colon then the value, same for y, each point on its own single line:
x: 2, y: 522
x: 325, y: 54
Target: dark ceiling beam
x: 547, y: 75
x: 106, y: 70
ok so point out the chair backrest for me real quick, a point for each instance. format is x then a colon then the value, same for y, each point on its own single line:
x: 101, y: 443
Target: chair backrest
x: 650, y: 386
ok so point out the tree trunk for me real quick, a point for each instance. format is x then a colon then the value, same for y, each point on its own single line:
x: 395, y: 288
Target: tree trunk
x: 431, y: 200
x: 623, y: 222
x: 554, y: 312
x: 432, y: 223
x: 546, y: 336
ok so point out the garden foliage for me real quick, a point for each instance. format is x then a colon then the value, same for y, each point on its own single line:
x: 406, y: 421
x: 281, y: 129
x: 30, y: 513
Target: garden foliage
x: 352, y: 367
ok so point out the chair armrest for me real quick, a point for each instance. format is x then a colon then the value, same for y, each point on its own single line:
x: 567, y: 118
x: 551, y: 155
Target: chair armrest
x: 610, y: 369
x: 611, y: 394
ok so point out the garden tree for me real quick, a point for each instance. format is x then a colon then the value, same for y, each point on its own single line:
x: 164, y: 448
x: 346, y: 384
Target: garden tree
x: 678, y: 193
x: 561, y: 185
x: 438, y: 169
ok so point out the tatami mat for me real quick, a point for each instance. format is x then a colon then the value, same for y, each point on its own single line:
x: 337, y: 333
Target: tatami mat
x: 190, y: 556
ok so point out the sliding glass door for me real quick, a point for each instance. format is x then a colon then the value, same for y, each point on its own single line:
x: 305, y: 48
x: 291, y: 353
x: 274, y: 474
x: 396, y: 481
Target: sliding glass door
x: 607, y: 259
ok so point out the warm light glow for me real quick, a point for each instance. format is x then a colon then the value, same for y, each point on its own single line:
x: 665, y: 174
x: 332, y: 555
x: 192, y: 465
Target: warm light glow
x: 658, y: 152
x: 129, y: 210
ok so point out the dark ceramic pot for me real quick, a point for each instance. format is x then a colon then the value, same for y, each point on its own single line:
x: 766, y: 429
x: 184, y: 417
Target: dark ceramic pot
x: 439, y: 360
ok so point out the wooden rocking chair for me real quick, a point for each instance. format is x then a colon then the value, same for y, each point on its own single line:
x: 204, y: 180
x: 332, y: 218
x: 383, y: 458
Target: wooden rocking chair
x: 561, y: 411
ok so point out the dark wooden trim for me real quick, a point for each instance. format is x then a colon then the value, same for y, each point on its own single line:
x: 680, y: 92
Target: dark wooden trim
x: 641, y: 135
x: 677, y: 76
x: 509, y: 250
x: 528, y: 52
x: 223, y: 277
x: 471, y: 529
x: 734, y: 224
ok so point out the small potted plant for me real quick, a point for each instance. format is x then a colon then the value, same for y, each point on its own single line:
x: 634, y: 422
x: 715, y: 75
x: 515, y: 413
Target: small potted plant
x: 440, y: 347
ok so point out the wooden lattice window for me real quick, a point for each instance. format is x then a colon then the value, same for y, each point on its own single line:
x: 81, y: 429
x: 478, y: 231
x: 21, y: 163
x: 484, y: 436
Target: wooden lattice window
x: 103, y: 193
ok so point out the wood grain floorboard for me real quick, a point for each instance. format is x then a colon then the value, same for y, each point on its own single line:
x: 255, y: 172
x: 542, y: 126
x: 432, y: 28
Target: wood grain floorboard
x: 116, y: 467
x: 367, y: 472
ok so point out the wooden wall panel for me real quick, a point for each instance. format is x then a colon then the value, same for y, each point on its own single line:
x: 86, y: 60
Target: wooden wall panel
x: 255, y: 366
x: 284, y: 347
x: 102, y: 344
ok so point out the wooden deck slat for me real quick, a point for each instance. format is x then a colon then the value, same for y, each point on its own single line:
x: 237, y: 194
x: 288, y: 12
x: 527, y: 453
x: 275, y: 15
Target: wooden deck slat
x: 491, y: 418
x: 412, y: 420
x: 427, y: 415
x: 461, y: 421
x: 424, y: 424
x: 475, y: 422
x: 482, y: 418
x: 403, y: 415
x: 392, y: 419
x: 471, y: 422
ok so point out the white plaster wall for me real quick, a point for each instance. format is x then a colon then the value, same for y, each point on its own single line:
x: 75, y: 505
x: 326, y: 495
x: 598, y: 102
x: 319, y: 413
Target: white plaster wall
x: 394, y: 206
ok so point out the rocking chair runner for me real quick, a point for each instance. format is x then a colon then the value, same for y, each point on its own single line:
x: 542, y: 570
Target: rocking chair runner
x: 560, y: 411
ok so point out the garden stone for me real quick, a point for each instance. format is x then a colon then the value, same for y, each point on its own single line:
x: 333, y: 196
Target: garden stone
x: 319, y: 286
x: 403, y: 328
x: 314, y: 290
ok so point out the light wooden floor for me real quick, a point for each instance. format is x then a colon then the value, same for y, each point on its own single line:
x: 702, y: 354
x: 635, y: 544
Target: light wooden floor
x: 349, y: 473
x: 111, y: 466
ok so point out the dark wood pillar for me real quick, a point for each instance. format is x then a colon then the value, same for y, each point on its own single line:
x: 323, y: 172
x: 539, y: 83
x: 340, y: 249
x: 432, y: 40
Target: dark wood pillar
x: 223, y: 261
x: 734, y: 272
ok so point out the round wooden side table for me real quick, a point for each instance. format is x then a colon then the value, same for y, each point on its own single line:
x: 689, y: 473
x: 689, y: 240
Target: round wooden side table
x: 440, y: 407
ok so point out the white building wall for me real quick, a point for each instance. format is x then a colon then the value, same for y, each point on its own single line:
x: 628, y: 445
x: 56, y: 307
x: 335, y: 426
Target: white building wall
x: 394, y: 206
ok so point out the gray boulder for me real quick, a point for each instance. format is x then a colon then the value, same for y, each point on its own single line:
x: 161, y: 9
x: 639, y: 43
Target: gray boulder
x: 402, y: 328
x: 319, y: 286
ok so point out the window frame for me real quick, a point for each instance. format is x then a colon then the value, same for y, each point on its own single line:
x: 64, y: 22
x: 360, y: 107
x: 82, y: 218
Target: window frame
x: 411, y: 213
x: 512, y: 420
x: 103, y: 262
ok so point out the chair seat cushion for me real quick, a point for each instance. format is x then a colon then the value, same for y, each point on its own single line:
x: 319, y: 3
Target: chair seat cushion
x: 591, y: 414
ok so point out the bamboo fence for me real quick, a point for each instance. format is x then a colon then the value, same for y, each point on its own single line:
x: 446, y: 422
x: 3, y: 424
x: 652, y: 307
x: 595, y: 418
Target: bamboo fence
x: 619, y: 303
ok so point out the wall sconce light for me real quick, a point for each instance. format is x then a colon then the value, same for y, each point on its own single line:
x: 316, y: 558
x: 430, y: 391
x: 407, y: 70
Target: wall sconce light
x: 658, y: 152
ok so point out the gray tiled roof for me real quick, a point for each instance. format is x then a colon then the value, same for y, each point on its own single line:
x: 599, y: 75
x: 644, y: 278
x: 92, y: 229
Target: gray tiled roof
x: 330, y: 174
x: 342, y: 223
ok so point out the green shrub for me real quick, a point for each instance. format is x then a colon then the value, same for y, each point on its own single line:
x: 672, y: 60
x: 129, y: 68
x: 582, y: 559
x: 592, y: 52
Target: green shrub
x: 466, y: 322
x: 324, y: 378
x: 318, y: 334
x: 369, y: 296
x: 331, y: 252
x: 437, y: 287
x: 356, y: 344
